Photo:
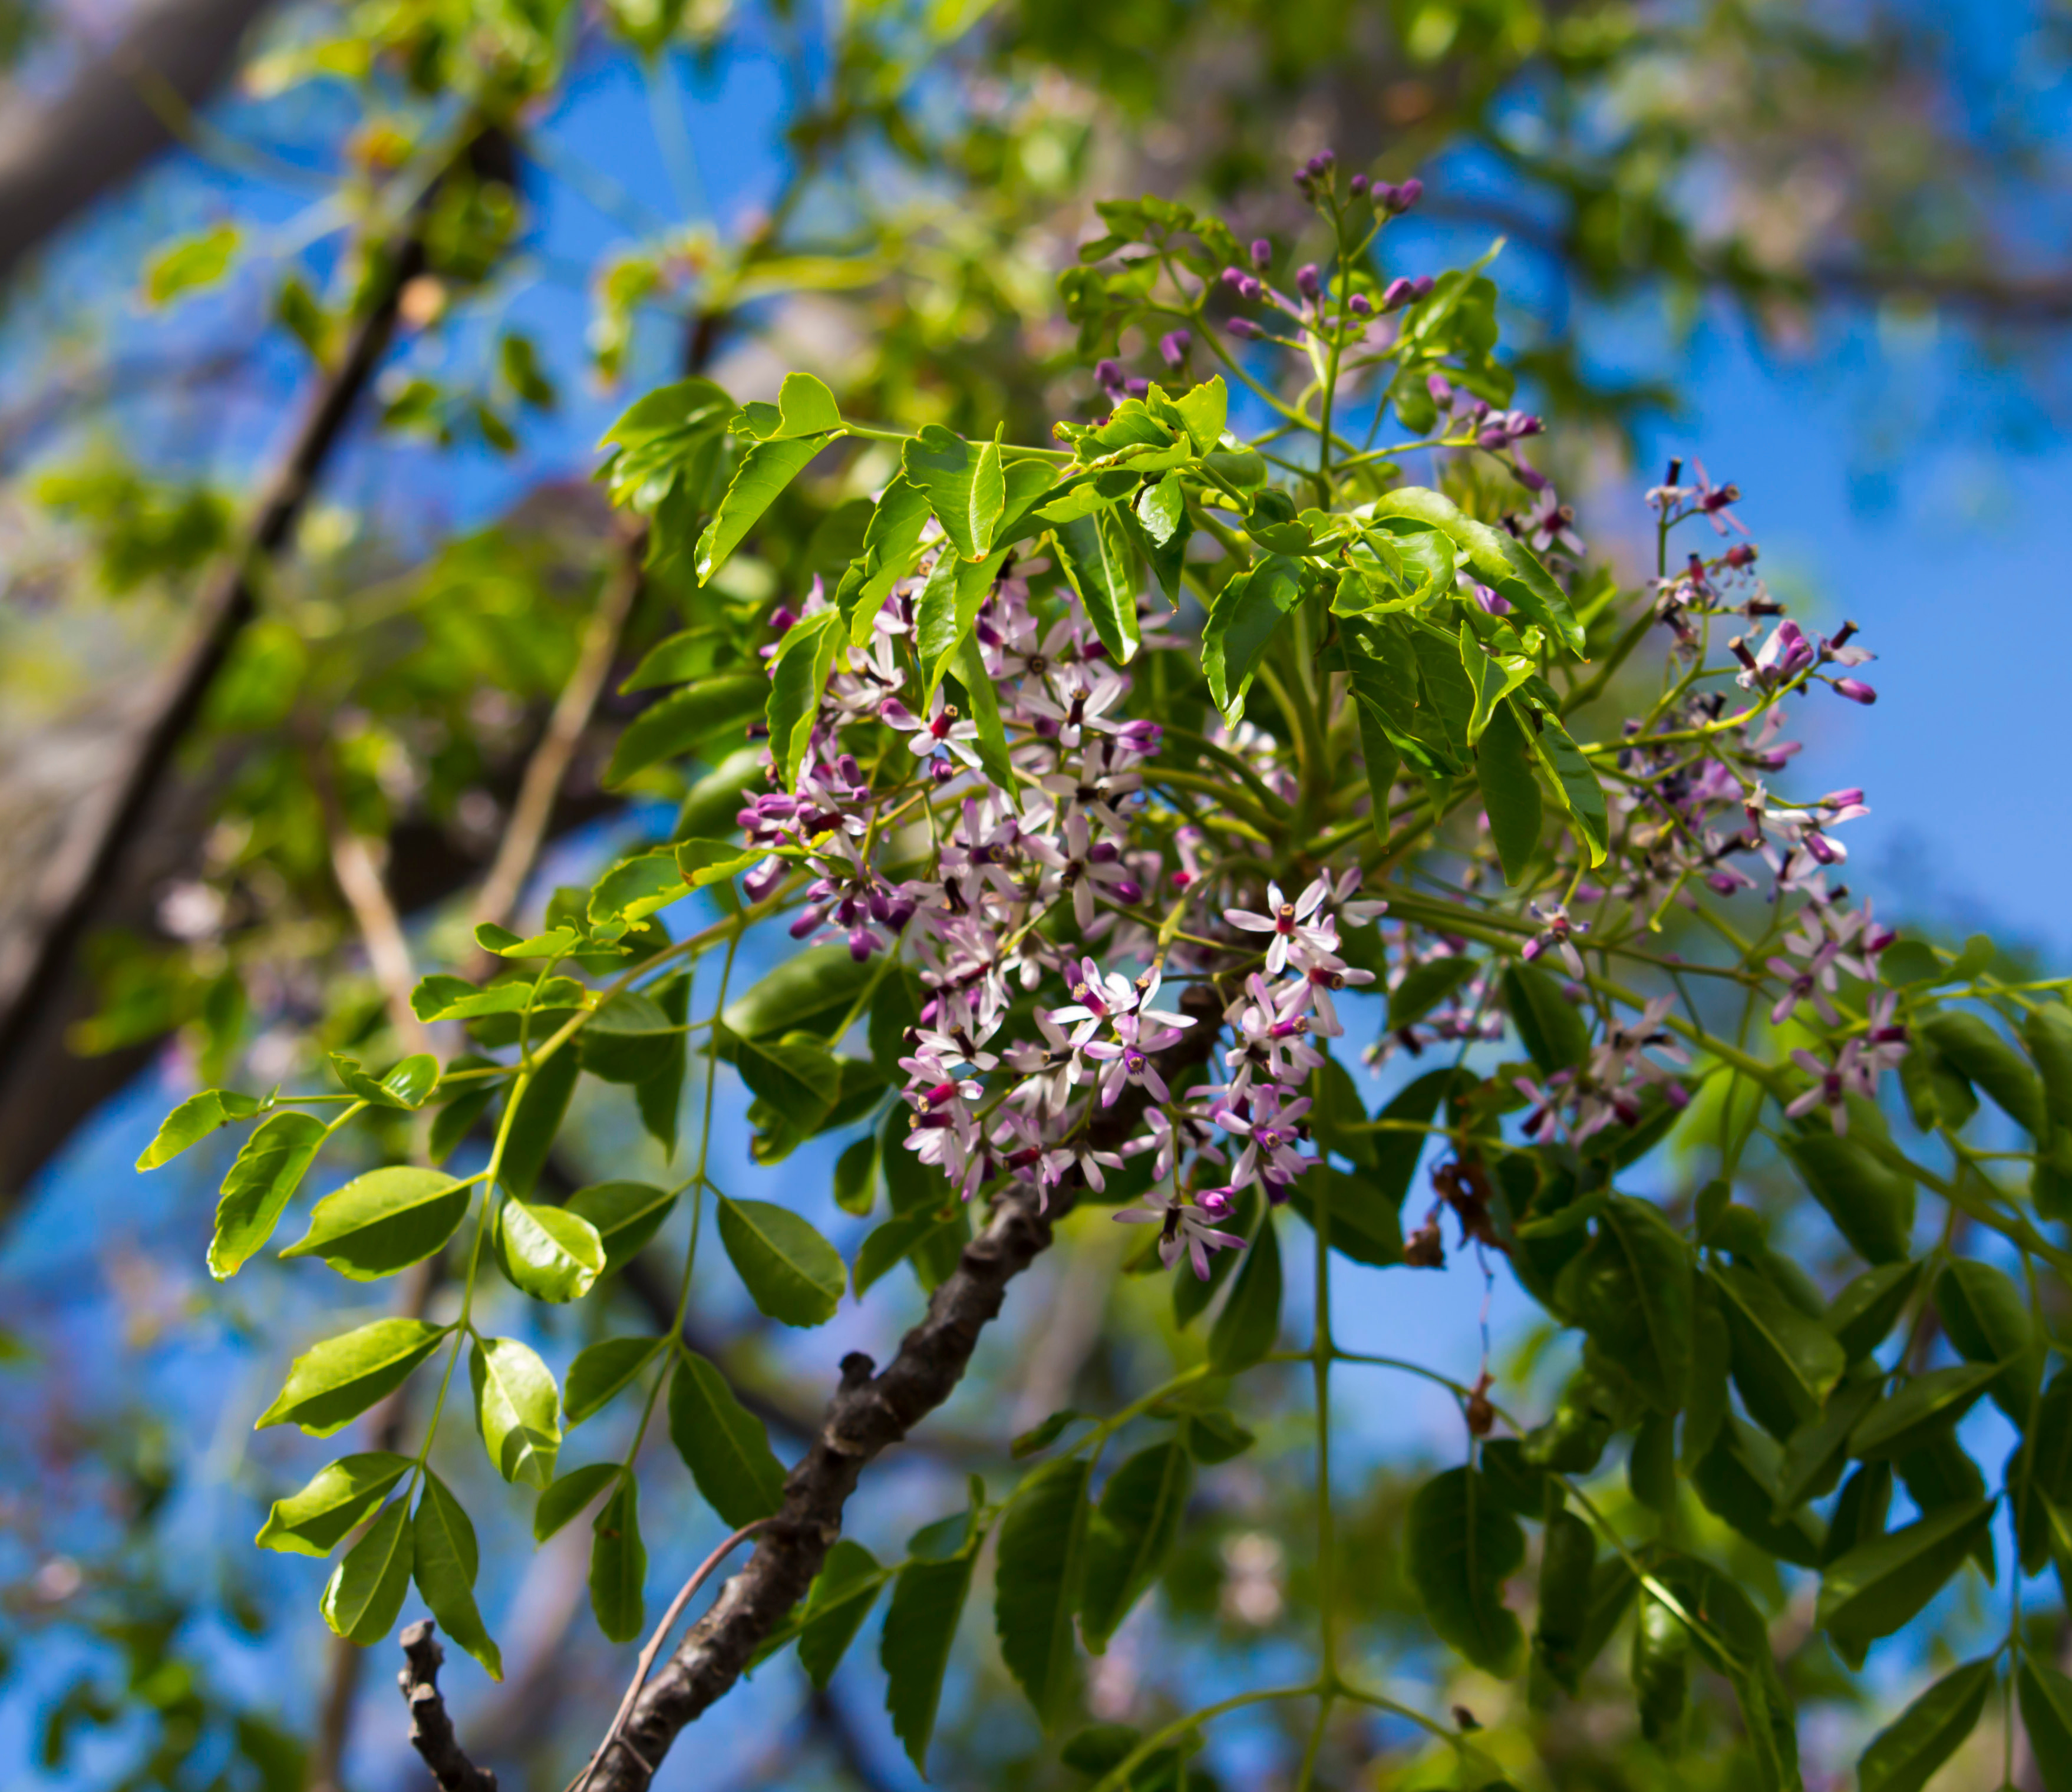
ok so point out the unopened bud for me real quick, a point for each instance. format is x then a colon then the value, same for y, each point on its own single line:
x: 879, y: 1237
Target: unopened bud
x: 1306, y: 282
x: 1262, y: 254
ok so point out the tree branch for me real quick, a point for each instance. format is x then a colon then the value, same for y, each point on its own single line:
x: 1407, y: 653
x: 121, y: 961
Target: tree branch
x: 869, y: 1414
x: 431, y: 1729
x: 58, y: 157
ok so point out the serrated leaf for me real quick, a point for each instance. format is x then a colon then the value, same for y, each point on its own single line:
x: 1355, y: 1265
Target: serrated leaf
x: 635, y: 889
x: 723, y: 1444
x: 192, y: 1121
x: 1904, y: 1755
x: 1131, y: 1534
x: 796, y: 1075
x: 624, y: 1215
x: 1043, y: 1545
x: 947, y: 609
x: 765, y: 471
x: 804, y: 407
x: 541, y: 1104
x: 320, y: 1517
x: 791, y: 1273
x: 384, y: 1221
x: 1243, y: 618
x: 618, y: 1564
x: 1461, y: 1547
x: 836, y: 1604
x: 365, y: 1591
x: 891, y: 545
x: 1581, y: 795
x: 257, y: 1187
x: 569, y: 1494
x: 799, y: 673
x: 517, y: 1409
x: 444, y: 1559
x: 601, y: 1370
x: 1097, y: 557
x: 1497, y: 558
x: 920, y: 1628
x: 332, y: 1383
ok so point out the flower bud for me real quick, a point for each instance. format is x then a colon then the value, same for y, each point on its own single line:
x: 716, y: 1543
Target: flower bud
x: 1359, y: 185
x: 1361, y: 306
x: 1174, y: 346
x: 1856, y: 690
x: 1495, y: 437
x: 1397, y: 293
x: 1262, y: 254
x: 1441, y: 388
x: 1522, y: 423
x: 1320, y: 163
x: 1244, y: 329
x: 1235, y: 278
x: 1306, y: 282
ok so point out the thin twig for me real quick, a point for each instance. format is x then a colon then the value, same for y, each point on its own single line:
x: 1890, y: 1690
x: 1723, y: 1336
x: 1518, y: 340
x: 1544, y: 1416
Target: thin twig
x: 549, y: 766
x: 654, y: 1643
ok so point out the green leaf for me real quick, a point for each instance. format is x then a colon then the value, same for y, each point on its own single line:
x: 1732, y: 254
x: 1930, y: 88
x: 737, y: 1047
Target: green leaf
x: 791, y: 1273
x: 685, y: 720
x: 332, y: 1383
x: 384, y: 1221
x: 1968, y: 1043
x: 444, y: 1559
x: 1361, y: 1228
x: 541, y: 1104
x: 618, y: 1564
x: 1095, y: 553
x: 1880, y: 1586
x: 1243, y: 618
x: 1214, y: 1436
x: 1815, y: 1452
x: 1250, y: 1321
x: 632, y: 891
x: 1461, y: 1547
x: 2047, y: 1032
x: 1631, y: 1290
x: 723, y: 1444
x: 365, y: 1591
x: 517, y: 1408
x: 570, y: 1493
x: 1553, y: 1032
x: 1927, y: 1406
x: 988, y: 498
x: 678, y: 659
x: 624, y: 1215
x: 1042, y: 1556
x: 1785, y: 1364
x: 796, y: 1075
x: 799, y: 673
x: 1870, y: 1204
x: 258, y: 1186
x: 1567, y: 1560
x: 764, y: 472
x: 946, y: 610
x: 1661, y: 1671
x: 660, y: 1095
x: 1131, y: 1534
x: 627, y: 1038
x: 601, y: 1370
x: 941, y: 464
x: 1511, y: 791
x: 1497, y: 558
x: 1865, y: 1310
x: 804, y: 407
x: 901, y: 1237
x: 2046, y: 1715
x: 1425, y: 985
x: 548, y: 1252
x: 920, y: 1628
x: 1904, y: 1755
x: 1987, y: 1318
x: 189, y: 263
x: 983, y: 704
x: 404, y: 1086
x: 1737, y: 1481
x: 891, y: 545
x: 315, y: 1521
x: 1581, y: 795
x: 192, y: 1121
x: 2045, y: 1479
x: 809, y: 989
x: 1735, y: 1641
x: 836, y: 1604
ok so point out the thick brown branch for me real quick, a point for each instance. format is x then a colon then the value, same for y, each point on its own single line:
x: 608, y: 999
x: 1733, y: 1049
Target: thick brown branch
x: 431, y: 1729
x: 869, y: 1413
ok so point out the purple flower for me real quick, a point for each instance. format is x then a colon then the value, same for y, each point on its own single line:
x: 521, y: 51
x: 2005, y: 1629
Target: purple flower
x: 1306, y: 281
x: 1174, y: 346
x: 1856, y: 690
x: 1262, y: 254
x: 1186, y: 1231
